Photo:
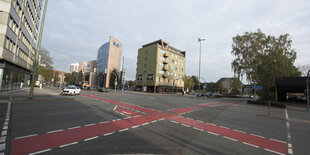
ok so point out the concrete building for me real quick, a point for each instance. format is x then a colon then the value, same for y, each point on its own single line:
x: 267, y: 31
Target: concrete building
x: 74, y: 67
x: 225, y: 84
x: 19, y: 22
x: 160, y: 68
x: 109, y: 57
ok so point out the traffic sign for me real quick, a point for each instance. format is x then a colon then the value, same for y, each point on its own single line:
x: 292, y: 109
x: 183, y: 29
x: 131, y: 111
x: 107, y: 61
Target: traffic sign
x: 258, y: 87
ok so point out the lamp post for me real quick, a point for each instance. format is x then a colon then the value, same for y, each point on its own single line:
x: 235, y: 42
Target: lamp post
x: 200, y: 40
x: 308, y: 90
x: 36, y: 59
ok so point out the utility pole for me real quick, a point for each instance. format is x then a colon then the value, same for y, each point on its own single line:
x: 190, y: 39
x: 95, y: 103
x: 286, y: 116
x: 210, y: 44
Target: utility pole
x: 199, y: 40
x: 36, y: 59
x: 308, y: 90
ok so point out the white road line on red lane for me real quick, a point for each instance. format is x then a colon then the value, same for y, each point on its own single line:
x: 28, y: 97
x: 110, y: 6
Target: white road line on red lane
x: 115, y: 108
x: 55, y: 131
x: 250, y: 144
x: 289, y: 137
x: 74, y: 127
x: 108, y: 134
x: 123, y: 130
x: 90, y: 124
x: 46, y: 150
x: 91, y: 138
x: 230, y: 138
x: 274, y: 152
x: 68, y: 144
x: 26, y: 136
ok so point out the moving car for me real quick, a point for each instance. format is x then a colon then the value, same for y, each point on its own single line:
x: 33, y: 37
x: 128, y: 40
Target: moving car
x: 71, y: 90
x: 102, y: 89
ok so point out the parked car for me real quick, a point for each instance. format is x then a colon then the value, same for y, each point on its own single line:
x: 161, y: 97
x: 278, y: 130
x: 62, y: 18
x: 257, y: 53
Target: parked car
x: 102, y: 89
x: 71, y: 90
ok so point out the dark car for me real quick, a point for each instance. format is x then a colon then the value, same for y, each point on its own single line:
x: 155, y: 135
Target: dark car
x: 102, y: 89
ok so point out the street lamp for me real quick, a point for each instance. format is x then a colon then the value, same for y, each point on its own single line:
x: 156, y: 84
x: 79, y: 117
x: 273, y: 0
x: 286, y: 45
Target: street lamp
x: 200, y: 40
x: 36, y: 59
x: 308, y: 90
x: 115, y: 82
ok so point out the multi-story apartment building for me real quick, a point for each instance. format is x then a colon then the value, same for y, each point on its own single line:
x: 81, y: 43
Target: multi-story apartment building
x: 108, y: 58
x: 89, y: 69
x: 160, y: 68
x: 19, y: 22
x: 74, y: 67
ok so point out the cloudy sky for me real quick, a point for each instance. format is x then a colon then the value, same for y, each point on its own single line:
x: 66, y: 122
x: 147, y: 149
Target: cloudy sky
x: 75, y: 29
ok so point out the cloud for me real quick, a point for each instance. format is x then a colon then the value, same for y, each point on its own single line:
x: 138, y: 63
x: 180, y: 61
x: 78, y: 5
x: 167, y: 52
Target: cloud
x: 76, y: 29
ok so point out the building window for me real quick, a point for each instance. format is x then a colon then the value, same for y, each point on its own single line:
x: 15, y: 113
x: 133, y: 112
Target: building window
x: 145, y: 58
x: 150, y: 77
x: 144, y: 65
x: 176, y: 68
x: 139, y: 77
x: 145, y: 52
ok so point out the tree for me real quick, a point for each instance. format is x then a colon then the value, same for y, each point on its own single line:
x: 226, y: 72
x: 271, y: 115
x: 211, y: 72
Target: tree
x: 80, y: 77
x: 114, y: 76
x: 72, y: 78
x: 263, y: 58
x: 45, y: 68
x: 304, y: 69
x: 188, y: 82
x: 212, y: 87
x: 235, y: 85
x: 67, y: 77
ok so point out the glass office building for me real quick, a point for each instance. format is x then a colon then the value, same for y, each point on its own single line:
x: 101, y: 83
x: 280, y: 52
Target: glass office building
x: 108, y: 58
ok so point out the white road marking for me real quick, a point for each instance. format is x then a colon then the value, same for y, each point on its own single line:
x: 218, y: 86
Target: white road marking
x: 211, y: 124
x: 74, y: 127
x: 274, y: 152
x: 40, y: 152
x: 90, y: 124
x: 278, y: 140
x: 290, y: 151
x: 123, y: 130
x: 103, y: 122
x: 68, y: 144
x: 6, y: 123
x: 239, y: 131
x: 108, y: 134
x: 174, y: 122
x: 289, y: 145
x: 224, y: 127
x: 257, y: 135
x: 136, y: 116
x: 91, y: 138
x: 26, y: 136
x: 55, y: 131
x: 2, y: 147
x: 145, y: 123
x: 135, y: 126
x: 154, y: 121
x: 250, y: 144
x: 212, y: 133
x: 230, y: 138
x: 4, y: 133
x: 161, y: 119
x: 2, y: 139
x: 185, y: 125
x: 126, y: 112
x: 114, y: 108
x: 5, y: 127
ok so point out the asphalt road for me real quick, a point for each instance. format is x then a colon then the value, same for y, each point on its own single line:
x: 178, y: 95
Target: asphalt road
x: 138, y: 123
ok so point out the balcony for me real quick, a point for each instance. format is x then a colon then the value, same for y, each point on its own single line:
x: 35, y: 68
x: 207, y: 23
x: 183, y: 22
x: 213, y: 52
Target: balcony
x: 165, y: 68
x: 166, y: 61
x: 165, y: 75
x: 166, y: 54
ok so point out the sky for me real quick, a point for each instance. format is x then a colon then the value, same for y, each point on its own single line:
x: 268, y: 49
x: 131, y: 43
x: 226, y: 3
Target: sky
x: 75, y: 29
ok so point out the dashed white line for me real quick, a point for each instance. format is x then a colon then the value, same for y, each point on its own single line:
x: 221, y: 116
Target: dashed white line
x: 161, y: 119
x: 2, y: 147
x: 250, y: 144
x: 212, y: 133
x: 103, y: 122
x: 277, y: 140
x: 274, y: 151
x: 68, y: 144
x: 211, y: 124
x: 289, y: 145
x: 74, y: 127
x: 197, y: 129
x: 230, y: 138
x: 2, y: 139
x: 3, y: 133
x: 26, y: 136
x: 90, y: 124
x: 185, y: 125
x: 257, y: 135
x: 174, y: 122
x: 5, y: 128
x: 55, y: 131
x: 145, y: 123
x: 108, y: 134
x: 290, y: 151
x: 40, y: 152
x: 91, y: 138
x: 123, y: 130
x: 135, y: 126
x: 239, y: 131
x: 114, y: 108
x: 224, y: 127
x: 154, y: 121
